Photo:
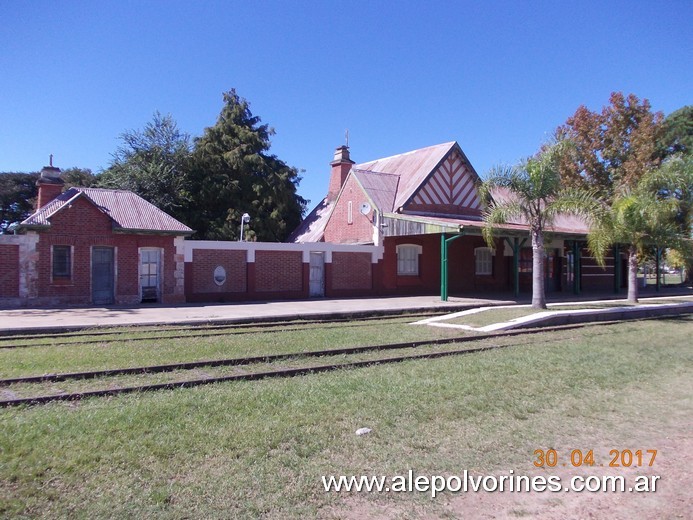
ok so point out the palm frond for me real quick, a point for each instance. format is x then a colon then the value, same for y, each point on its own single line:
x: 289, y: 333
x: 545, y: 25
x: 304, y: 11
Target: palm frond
x: 499, y: 213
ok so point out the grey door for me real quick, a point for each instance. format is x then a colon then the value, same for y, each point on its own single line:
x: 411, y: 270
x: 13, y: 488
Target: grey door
x: 102, y: 274
x: 317, y: 274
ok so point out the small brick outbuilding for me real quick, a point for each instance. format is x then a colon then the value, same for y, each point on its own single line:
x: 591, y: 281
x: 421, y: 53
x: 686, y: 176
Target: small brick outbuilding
x: 93, y: 246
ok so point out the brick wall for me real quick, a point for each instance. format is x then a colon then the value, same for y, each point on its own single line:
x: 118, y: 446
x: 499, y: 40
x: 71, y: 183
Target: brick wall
x: 204, y: 263
x: 338, y: 230
x: 462, y: 277
x: 351, y: 271
x: 278, y: 271
x: 9, y: 271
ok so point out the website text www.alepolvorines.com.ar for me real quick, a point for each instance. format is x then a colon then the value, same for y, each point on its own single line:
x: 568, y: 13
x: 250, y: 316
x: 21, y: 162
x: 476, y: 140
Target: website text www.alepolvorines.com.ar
x: 468, y: 483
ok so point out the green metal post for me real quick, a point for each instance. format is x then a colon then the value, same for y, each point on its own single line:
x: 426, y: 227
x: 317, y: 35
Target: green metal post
x: 617, y: 269
x: 516, y: 245
x: 443, y: 268
x: 576, y: 267
x: 444, y: 263
x: 658, y: 255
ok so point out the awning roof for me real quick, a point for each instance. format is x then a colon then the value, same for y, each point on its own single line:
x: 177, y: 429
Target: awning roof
x: 572, y: 227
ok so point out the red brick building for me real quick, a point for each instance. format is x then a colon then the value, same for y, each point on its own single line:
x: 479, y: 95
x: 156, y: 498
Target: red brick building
x: 423, y: 208
x: 92, y: 246
x: 87, y: 246
x: 406, y: 224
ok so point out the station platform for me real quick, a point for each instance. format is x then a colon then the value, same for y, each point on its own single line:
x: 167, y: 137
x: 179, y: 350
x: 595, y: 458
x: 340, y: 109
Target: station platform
x: 66, y: 318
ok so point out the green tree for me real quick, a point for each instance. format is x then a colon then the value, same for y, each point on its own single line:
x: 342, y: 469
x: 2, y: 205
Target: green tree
x: 674, y: 180
x: 613, y: 148
x: 18, y: 193
x: 154, y: 163
x: 81, y: 177
x: 532, y: 193
x: 611, y: 152
x: 234, y: 173
x: 643, y: 216
x: 677, y: 133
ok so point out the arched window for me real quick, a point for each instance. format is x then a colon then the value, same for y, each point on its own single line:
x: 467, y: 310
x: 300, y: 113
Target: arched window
x: 484, y: 260
x: 408, y: 259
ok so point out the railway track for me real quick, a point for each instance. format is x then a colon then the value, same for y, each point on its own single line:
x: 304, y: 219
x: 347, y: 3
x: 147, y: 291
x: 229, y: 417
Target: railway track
x: 200, y: 331
x: 473, y: 344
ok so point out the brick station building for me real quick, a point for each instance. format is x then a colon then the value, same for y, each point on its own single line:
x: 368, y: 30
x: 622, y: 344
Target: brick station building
x: 405, y: 224
x: 422, y: 208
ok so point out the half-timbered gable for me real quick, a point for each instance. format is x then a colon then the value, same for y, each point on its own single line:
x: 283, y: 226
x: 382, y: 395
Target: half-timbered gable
x: 450, y: 189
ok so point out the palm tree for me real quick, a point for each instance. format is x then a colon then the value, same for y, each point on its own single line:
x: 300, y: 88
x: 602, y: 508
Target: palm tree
x: 645, y: 216
x: 534, y: 195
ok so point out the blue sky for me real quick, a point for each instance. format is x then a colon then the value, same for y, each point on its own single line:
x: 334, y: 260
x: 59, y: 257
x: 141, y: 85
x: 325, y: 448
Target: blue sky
x: 497, y: 77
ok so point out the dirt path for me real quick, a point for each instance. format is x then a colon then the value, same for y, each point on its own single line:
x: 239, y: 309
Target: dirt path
x: 673, y: 498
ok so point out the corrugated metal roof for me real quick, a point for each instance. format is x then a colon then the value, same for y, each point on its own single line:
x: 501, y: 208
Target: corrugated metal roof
x: 412, y: 167
x: 127, y: 210
x: 391, y: 181
x: 312, y: 228
x: 380, y: 187
x: 562, y: 223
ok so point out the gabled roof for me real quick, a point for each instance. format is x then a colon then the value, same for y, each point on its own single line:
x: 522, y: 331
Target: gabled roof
x: 389, y: 182
x: 412, y: 168
x: 127, y: 210
x: 435, y: 185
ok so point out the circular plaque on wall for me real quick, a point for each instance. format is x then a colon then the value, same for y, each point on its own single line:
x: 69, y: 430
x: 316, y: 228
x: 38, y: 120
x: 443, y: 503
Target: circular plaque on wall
x: 219, y: 275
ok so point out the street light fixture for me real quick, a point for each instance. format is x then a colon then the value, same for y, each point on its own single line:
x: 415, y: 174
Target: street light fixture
x: 244, y: 220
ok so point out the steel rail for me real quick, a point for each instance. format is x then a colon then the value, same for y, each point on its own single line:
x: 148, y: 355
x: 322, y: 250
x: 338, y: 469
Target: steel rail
x: 273, y: 321
x: 291, y: 372
x: 269, y: 358
x: 203, y: 332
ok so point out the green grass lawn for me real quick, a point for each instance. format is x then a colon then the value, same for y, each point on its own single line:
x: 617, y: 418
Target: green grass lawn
x: 125, y: 353
x: 258, y: 449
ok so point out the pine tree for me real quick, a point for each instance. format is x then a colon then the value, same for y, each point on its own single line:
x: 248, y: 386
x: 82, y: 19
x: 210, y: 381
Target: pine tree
x: 233, y: 173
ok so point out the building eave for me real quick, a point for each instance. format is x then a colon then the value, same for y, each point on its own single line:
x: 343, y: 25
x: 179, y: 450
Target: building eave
x: 131, y: 231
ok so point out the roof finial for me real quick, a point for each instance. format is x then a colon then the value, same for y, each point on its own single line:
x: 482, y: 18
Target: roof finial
x: 51, y: 160
x: 346, y: 137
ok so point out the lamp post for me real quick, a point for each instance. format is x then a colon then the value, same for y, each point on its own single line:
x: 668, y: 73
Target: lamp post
x: 244, y: 220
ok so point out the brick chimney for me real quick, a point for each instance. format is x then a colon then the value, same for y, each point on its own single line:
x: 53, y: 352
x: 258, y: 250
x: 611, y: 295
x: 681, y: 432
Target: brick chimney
x: 50, y: 185
x: 341, y: 165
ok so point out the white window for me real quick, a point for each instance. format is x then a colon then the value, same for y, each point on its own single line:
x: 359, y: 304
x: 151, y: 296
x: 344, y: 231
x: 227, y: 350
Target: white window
x: 350, y: 213
x: 150, y: 273
x: 484, y: 260
x: 408, y: 259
